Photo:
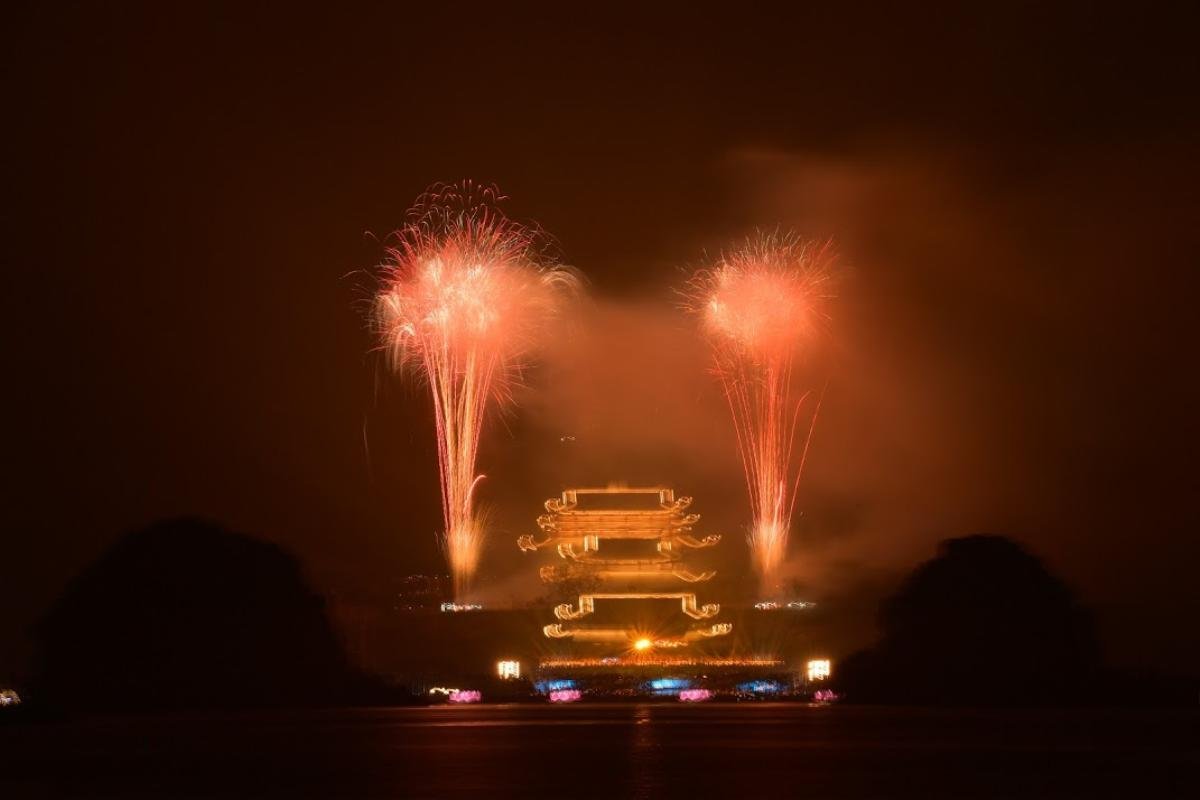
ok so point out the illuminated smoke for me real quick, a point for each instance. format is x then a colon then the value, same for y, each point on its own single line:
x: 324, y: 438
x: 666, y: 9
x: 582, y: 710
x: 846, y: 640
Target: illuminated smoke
x: 761, y: 307
x: 465, y: 299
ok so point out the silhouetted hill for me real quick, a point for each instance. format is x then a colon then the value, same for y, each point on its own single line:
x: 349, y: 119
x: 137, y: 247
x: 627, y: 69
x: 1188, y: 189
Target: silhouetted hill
x: 188, y: 614
x: 984, y: 623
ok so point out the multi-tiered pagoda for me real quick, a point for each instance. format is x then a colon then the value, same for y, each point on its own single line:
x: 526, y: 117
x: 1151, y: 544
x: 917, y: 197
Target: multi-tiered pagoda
x: 647, y: 531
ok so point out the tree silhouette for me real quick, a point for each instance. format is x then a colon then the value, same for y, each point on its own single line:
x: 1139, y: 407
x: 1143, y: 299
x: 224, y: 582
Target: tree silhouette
x: 188, y: 614
x: 983, y: 623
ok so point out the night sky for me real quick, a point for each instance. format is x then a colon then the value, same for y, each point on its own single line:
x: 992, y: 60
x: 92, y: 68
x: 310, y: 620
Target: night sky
x: 196, y: 200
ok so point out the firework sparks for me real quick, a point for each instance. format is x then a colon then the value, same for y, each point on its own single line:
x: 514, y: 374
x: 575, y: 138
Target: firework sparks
x: 760, y: 306
x: 465, y: 299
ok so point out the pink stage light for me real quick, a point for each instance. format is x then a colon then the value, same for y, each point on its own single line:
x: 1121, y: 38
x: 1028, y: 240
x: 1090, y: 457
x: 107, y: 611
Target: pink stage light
x: 694, y: 695
x: 465, y: 696
x: 565, y: 695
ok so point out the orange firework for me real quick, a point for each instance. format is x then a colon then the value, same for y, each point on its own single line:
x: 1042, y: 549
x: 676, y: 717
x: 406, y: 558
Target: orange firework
x: 465, y: 298
x: 761, y: 306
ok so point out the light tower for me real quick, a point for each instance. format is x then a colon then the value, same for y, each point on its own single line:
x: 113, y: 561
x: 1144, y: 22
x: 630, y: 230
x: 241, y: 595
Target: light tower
x: 648, y: 519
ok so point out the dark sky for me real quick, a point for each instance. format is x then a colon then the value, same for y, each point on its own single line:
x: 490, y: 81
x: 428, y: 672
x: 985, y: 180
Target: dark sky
x: 192, y: 193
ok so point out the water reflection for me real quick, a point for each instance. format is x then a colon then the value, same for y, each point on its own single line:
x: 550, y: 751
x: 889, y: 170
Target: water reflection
x: 645, y: 754
x: 609, y: 751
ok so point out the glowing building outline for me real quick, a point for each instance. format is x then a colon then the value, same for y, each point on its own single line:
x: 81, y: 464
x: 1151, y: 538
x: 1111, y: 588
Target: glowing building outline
x: 576, y: 535
x: 818, y: 669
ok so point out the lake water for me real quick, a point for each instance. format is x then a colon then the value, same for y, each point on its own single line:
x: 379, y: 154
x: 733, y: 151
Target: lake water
x: 612, y: 751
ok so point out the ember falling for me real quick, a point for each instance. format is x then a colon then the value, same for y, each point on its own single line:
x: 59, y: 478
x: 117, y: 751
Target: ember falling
x: 466, y: 295
x: 762, y: 307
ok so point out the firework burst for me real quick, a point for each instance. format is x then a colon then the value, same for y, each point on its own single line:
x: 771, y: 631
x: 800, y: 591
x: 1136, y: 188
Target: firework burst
x: 465, y: 299
x: 761, y: 307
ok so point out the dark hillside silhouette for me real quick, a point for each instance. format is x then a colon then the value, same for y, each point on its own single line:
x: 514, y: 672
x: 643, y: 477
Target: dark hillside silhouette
x: 984, y: 623
x: 186, y: 614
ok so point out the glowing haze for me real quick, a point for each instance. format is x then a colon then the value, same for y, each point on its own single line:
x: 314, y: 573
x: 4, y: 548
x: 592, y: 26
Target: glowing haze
x: 465, y: 298
x: 761, y: 306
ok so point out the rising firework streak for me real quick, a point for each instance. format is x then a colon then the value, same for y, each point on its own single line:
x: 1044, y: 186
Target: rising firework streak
x: 761, y: 307
x: 466, y: 295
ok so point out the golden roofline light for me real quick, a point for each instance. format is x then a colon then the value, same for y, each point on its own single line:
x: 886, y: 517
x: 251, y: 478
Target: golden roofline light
x: 576, y: 532
x: 658, y: 661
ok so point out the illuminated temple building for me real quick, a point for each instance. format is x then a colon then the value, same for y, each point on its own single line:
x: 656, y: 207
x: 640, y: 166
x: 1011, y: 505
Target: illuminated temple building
x: 630, y: 609
x: 624, y: 549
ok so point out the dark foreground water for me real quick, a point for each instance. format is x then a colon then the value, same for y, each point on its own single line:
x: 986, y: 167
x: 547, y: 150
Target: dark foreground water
x: 611, y: 751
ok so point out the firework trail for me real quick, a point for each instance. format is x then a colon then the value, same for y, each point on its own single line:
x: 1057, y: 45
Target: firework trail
x: 465, y: 298
x: 761, y: 305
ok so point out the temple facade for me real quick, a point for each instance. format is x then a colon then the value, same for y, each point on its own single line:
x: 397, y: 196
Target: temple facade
x: 626, y: 547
